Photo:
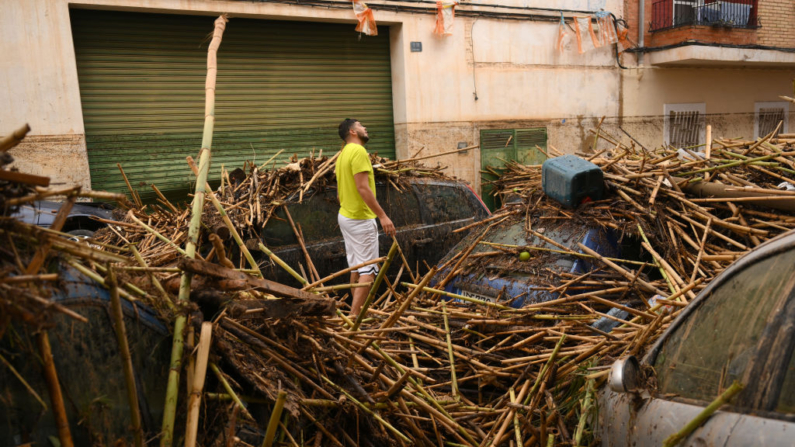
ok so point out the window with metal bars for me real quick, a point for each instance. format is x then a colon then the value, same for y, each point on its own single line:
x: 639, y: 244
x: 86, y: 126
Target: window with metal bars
x: 769, y: 115
x: 684, y: 124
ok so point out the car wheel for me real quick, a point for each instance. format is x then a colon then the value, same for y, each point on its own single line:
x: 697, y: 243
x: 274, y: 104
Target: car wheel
x: 80, y: 235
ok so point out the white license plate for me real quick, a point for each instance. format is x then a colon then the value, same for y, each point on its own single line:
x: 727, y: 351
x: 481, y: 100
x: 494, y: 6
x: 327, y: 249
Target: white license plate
x: 476, y: 295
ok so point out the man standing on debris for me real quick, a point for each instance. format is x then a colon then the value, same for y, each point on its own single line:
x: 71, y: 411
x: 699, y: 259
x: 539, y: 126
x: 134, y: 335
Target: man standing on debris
x: 359, y: 208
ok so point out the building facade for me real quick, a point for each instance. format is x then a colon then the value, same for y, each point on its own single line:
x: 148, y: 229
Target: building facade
x: 103, y: 82
x: 701, y: 62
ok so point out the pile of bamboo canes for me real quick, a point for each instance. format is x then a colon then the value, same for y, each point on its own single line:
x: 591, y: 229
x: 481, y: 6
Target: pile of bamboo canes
x: 700, y: 208
x: 417, y: 365
x: 247, y: 198
x: 427, y: 367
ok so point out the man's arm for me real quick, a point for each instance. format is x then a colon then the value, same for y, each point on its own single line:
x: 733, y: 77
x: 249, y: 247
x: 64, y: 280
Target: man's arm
x: 363, y: 186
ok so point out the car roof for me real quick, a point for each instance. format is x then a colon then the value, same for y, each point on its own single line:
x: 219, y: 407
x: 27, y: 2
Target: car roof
x: 779, y: 244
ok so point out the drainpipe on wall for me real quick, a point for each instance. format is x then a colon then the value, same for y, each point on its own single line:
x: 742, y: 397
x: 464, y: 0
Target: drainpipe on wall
x: 641, y: 18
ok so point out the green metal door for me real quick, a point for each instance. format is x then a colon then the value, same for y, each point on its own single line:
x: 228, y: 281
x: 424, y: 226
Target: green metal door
x: 499, y: 146
x: 281, y: 85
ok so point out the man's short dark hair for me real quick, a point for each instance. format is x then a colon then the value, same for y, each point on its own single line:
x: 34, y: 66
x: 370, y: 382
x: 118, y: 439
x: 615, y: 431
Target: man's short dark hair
x: 345, y: 127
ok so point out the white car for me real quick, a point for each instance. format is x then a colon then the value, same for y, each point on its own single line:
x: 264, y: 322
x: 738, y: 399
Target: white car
x: 740, y: 328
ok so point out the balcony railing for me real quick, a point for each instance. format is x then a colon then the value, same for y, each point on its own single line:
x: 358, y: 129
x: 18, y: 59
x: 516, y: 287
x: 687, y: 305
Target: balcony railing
x: 673, y: 13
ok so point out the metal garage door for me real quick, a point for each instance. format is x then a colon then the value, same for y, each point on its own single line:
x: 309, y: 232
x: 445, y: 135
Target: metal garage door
x: 281, y: 85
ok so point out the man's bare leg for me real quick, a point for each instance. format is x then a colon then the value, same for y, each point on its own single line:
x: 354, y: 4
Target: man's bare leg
x: 359, y: 293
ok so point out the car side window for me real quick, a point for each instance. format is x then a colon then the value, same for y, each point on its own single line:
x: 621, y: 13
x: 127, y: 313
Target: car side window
x: 445, y: 203
x: 717, y: 342
x: 317, y: 216
x: 401, y: 206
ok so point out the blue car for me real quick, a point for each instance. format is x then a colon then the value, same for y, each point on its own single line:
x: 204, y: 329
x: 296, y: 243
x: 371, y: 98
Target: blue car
x: 515, y: 282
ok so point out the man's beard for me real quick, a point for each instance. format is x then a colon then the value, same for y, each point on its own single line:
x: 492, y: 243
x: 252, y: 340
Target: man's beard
x: 363, y: 137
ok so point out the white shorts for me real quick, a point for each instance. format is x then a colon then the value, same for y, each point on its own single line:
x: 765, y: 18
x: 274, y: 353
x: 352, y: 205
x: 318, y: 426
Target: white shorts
x: 361, y: 242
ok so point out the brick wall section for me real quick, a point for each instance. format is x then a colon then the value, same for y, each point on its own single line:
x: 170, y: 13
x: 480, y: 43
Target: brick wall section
x: 777, y: 18
x: 731, y: 36
x: 778, y: 23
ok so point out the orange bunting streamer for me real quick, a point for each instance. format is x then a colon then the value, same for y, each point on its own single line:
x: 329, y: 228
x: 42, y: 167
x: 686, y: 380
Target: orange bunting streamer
x: 445, y: 14
x: 365, y: 17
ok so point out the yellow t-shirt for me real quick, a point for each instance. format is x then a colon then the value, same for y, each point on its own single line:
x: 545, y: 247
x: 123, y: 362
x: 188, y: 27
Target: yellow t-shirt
x: 353, y: 160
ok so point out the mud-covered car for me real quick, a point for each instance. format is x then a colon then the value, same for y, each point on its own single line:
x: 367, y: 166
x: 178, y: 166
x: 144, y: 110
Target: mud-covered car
x: 80, y: 223
x: 89, y: 365
x: 425, y: 213
x: 88, y: 362
x: 517, y: 282
x: 741, y: 327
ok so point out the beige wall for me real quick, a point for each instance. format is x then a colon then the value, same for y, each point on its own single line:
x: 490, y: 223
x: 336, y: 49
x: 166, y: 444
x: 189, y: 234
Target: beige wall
x: 729, y: 95
x: 520, y: 78
x: 38, y: 86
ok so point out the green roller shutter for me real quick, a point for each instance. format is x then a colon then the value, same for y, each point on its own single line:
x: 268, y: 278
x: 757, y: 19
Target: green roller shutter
x: 502, y: 145
x: 281, y: 85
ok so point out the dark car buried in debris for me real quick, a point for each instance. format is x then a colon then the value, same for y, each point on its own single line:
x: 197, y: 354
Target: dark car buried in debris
x: 425, y: 213
x: 741, y: 327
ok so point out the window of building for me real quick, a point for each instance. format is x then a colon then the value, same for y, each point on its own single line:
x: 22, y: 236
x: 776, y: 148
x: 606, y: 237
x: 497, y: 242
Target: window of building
x: 767, y: 115
x: 684, y: 124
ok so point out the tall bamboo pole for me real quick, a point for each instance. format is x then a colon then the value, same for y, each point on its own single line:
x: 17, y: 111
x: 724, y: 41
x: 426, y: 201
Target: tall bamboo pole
x: 170, y: 407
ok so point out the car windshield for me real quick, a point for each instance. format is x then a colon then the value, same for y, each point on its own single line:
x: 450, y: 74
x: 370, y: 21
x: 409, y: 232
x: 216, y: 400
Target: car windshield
x: 717, y: 342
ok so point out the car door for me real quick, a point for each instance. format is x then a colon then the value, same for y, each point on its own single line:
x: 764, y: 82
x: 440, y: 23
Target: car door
x: 734, y: 333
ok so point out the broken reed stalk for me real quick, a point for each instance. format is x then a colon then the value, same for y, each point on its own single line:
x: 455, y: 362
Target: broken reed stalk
x: 14, y: 138
x: 220, y: 251
x: 342, y: 272
x: 586, y: 408
x: 229, y: 391
x: 199, y: 374
x: 273, y: 423
x: 44, y: 247
x: 704, y: 415
x: 170, y: 407
x: 516, y: 425
x: 565, y: 252
x: 451, y: 357
x: 152, y: 278
x: 376, y: 284
x: 270, y: 160
x: 457, y: 296
x: 54, y: 387
x: 384, y: 423
x: 300, y: 238
x: 135, y: 199
x: 544, y: 370
x: 24, y: 382
x: 282, y: 264
x: 126, y: 359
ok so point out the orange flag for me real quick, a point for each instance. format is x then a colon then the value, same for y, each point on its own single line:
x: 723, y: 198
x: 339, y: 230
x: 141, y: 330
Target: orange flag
x: 445, y: 13
x: 365, y: 17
